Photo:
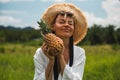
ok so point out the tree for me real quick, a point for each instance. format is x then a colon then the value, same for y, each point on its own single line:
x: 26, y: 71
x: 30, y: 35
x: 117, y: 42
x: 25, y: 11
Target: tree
x: 117, y: 33
x: 110, y: 34
x: 94, y: 34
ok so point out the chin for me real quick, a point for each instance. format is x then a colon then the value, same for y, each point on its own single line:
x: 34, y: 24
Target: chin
x: 65, y: 36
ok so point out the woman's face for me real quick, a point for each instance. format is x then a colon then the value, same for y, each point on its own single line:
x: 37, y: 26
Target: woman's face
x: 63, y: 26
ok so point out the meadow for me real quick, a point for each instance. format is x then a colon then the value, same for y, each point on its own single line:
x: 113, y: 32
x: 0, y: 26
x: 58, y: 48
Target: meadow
x: 16, y: 62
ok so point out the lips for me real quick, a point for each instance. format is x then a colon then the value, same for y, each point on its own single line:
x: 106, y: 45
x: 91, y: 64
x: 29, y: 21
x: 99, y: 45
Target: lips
x: 66, y: 30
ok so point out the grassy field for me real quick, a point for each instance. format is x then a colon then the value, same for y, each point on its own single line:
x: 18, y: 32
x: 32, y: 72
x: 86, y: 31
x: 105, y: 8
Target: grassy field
x: 102, y: 62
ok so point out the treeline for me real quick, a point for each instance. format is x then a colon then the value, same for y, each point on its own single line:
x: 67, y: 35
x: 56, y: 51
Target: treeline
x: 96, y: 34
x: 12, y: 34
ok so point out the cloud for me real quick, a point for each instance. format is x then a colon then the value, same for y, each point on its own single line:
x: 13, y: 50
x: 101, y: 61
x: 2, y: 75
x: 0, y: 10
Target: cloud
x: 9, y: 12
x: 78, y: 0
x: 24, y: 0
x: 5, y: 1
x: 7, y: 18
x: 4, y: 20
x: 112, y: 8
x: 61, y: 0
x: 92, y: 19
x: 12, y: 21
x: 53, y: 0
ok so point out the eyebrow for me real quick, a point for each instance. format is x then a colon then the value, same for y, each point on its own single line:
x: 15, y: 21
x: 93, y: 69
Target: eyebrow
x: 65, y: 20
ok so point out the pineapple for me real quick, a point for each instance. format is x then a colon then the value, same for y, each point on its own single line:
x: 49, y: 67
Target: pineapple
x: 54, y: 43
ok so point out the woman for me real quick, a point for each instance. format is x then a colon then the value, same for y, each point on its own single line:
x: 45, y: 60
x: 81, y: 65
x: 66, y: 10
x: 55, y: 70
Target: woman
x: 69, y: 24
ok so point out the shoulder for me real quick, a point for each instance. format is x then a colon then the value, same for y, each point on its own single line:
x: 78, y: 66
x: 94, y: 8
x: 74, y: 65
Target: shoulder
x: 79, y: 51
x: 39, y: 54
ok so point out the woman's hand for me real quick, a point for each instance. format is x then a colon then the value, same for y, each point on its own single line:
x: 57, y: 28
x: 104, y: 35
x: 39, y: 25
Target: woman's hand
x: 48, y: 51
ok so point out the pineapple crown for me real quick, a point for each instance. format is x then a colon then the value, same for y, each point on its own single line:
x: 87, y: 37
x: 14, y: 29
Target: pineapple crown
x: 44, y: 28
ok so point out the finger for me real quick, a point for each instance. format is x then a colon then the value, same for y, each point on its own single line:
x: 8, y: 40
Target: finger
x: 47, y: 39
x: 44, y: 48
x: 49, y: 42
x: 43, y: 45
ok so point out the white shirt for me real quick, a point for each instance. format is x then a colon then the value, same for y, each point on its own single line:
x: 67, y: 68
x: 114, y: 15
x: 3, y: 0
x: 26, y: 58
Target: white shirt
x: 70, y: 73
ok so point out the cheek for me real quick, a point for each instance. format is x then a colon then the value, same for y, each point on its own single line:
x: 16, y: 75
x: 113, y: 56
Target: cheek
x: 72, y: 29
x: 56, y: 27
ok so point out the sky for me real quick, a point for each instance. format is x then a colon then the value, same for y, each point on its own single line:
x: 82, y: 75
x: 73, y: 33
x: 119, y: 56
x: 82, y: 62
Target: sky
x: 24, y: 13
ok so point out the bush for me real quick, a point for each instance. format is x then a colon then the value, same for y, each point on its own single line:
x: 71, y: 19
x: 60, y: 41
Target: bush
x: 2, y: 50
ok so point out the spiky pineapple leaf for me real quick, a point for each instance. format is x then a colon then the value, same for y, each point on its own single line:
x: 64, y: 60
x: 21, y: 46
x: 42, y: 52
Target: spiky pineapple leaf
x: 43, y: 27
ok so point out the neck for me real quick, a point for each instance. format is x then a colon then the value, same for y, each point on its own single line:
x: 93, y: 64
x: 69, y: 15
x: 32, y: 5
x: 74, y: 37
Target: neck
x: 66, y: 42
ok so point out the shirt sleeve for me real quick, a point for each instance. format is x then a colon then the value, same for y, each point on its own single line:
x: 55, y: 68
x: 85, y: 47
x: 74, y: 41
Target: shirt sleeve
x: 39, y: 63
x: 76, y: 71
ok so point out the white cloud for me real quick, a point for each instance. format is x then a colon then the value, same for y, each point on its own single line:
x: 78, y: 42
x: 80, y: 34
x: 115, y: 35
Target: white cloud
x: 5, y: 1
x: 112, y: 8
x: 92, y: 19
x: 8, y: 12
x: 53, y: 0
x: 79, y: 0
x: 9, y: 20
x: 60, y: 0
x: 24, y: 0
x: 4, y: 20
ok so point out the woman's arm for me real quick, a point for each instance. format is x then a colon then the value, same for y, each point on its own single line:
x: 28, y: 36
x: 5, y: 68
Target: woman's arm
x: 49, y: 53
x: 62, y: 63
x: 49, y: 70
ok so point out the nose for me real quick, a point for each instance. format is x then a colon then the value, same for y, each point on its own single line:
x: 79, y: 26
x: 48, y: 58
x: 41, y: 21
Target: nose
x: 66, y: 23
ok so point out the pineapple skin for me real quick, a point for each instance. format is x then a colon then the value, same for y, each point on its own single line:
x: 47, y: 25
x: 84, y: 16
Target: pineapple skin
x: 55, y: 44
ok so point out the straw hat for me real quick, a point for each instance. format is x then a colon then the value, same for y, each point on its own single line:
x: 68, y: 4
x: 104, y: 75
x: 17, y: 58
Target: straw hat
x: 80, y: 21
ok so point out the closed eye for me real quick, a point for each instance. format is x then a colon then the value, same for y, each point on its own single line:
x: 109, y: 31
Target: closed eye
x: 70, y: 23
x: 62, y: 21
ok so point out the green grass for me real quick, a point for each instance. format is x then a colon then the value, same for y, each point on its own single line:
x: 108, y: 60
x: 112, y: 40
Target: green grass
x: 102, y: 62
x: 16, y: 67
x: 16, y: 62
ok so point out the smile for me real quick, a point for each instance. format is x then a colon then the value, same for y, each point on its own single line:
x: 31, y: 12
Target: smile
x: 66, y: 30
